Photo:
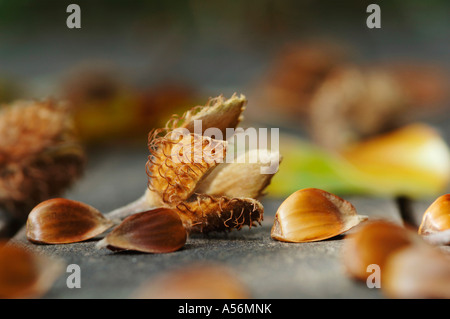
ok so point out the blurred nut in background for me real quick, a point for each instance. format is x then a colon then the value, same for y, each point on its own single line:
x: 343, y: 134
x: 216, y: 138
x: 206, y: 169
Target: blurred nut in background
x: 24, y: 274
x: 372, y: 243
x: 417, y: 272
x: 195, y: 281
x: 315, y: 86
x: 40, y: 156
x: 108, y: 108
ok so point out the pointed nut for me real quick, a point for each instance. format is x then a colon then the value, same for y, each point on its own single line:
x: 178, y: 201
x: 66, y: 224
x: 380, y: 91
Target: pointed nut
x: 62, y: 221
x: 373, y: 243
x: 312, y: 214
x: 437, y: 217
x: 155, y: 231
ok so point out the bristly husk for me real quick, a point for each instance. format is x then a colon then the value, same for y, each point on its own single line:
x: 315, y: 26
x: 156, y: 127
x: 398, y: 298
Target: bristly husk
x: 174, y: 182
x: 203, y: 213
x: 176, y: 185
x: 39, y: 154
x: 174, y: 173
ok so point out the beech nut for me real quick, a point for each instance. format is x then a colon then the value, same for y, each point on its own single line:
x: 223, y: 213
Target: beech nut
x: 62, y: 221
x: 312, y: 214
x: 437, y: 217
x: 155, y: 231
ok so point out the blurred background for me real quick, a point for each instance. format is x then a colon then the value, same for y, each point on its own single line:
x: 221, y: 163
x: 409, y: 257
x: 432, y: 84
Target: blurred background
x: 312, y: 68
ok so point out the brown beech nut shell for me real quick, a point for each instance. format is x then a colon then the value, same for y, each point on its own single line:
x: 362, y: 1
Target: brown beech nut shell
x: 196, y: 281
x: 373, y: 243
x: 417, y: 272
x: 62, y: 221
x: 437, y: 217
x: 312, y: 214
x: 155, y: 231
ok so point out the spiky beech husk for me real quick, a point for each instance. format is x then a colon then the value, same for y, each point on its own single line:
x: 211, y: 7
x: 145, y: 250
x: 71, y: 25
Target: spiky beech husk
x: 178, y: 164
x: 173, y: 173
x: 175, y: 184
x: 39, y: 155
x: 202, y: 213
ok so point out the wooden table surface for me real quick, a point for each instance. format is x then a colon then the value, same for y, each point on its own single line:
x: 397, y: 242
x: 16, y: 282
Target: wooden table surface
x: 269, y: 268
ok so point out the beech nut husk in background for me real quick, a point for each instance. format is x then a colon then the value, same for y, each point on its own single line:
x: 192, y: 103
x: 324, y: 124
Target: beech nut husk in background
x: 24, y: 274
x: 63, y: 221
x: 196, y: 281
x: 437, y: 217
x: 40, y: 156
x: 312, y: 214
x: 372, y: 243
x: 417, y: 272
x: 155, y: 231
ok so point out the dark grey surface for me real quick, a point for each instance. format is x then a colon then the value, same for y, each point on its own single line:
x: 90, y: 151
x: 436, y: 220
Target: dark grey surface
x: 269, y: 268
x: 221, y: 52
